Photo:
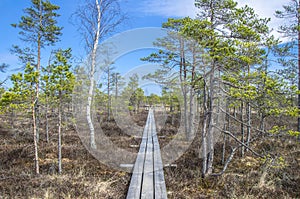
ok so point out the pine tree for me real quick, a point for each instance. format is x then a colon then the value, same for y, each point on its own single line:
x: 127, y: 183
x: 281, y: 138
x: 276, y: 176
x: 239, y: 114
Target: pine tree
x: 18, y: 98
x: 178, y: 53
x: 231, y: 37
x: 62, y: 84
x: 3, y: 68
x: 38, y: 28
x: 117, y: 83
x: 291, y: 30
x: 128, y: 94
x: 108, y: 68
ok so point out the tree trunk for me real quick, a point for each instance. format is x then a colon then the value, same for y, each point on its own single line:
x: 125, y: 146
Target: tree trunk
x: 36, y: 101
x: 12, y: 118
x: 192, y: 110
x: 248, y: 125
x: 116, y: 106
x: 234, y: 112
x: 224, y: 148
x: 210, y: 133
x: 185, y: 111
x: 37, y: 114
x: 193, y: 107
x: 47, y: 120
x: 89, y: 118
x: 204, y: 134
x: 204, y: 147
x: 108, y: 94
x: 242, y: 129
x: 262, y: 122
x: 35, y: 141
x: 92, y: 80
x: 38, y: 66
x: 185, y: 92
x: 226, y: 128
x: 59, y: 134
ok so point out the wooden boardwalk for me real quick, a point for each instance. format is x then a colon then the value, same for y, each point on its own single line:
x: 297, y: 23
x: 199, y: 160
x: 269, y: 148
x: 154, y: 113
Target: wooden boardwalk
x: 147, y: 179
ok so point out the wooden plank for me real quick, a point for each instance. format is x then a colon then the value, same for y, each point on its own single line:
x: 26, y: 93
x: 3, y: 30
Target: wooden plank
x: 126, y: 165
x: 147, y: 185
x: 135, y: 186
x: 159, y: 179
x: 147, y: 180
x: 134, y: 146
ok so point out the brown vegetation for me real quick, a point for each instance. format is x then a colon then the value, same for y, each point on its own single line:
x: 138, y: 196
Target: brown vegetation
x: 85, y: 177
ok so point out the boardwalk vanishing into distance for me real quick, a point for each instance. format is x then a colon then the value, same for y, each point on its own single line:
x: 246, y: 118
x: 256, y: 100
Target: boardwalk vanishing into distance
x: 147, y: 179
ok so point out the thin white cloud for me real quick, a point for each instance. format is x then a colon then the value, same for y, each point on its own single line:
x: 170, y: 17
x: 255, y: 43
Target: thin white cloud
x: 266, y: 9
x: 183, y: 8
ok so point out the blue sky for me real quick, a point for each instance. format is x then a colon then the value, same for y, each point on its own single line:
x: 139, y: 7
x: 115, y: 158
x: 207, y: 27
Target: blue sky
x: 141, y: 13
x: 12, y: 11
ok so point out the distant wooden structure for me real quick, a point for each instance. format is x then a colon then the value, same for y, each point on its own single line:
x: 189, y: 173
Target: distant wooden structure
x: 147, y: 179
x: 147, y: 107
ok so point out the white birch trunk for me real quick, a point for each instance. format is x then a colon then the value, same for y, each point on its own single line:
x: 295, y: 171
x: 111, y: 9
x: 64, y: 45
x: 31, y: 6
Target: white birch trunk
x: 92, y: 78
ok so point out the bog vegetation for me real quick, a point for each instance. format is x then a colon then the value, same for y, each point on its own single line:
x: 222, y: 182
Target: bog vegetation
x: 237, y: 81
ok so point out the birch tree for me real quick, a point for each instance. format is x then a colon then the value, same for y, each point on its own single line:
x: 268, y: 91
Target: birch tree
x: 96, y: 19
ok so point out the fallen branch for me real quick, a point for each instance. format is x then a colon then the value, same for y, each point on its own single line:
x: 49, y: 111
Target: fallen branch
x: 237, y: 120
x: 237, y: 140
x: 227, y: 161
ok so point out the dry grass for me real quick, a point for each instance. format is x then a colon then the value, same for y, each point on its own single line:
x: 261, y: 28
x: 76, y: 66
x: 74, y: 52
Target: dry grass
x: 85, y: 177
